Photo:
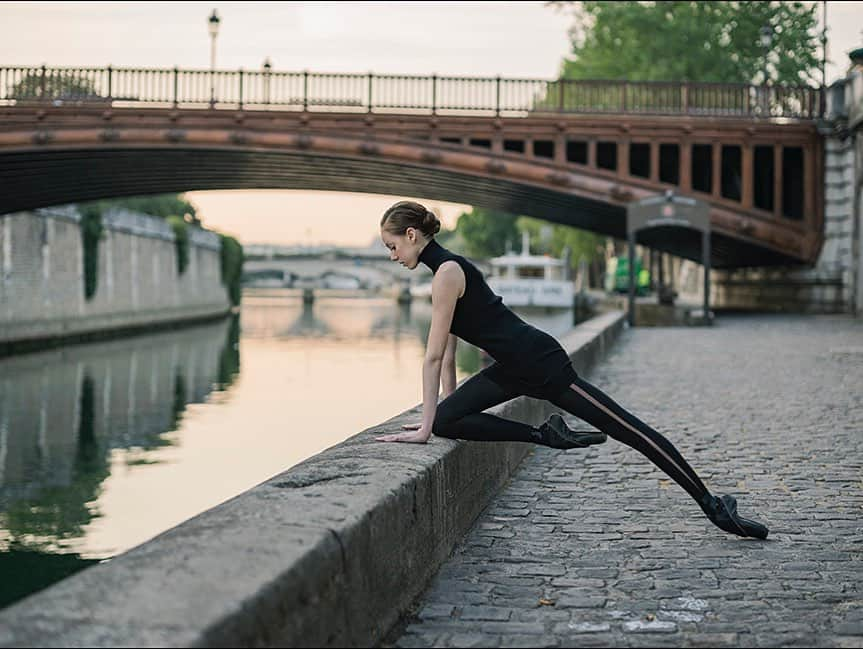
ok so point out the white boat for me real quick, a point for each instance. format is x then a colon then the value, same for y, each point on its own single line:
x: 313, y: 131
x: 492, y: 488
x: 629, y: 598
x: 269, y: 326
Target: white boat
x: 527, y: 280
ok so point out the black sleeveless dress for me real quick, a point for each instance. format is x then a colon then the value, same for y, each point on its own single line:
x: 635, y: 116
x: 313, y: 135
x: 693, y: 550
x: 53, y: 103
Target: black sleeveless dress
x: 527, y: 360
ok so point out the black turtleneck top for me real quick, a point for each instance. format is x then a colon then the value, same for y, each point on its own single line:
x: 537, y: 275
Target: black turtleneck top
x: 528, y: 360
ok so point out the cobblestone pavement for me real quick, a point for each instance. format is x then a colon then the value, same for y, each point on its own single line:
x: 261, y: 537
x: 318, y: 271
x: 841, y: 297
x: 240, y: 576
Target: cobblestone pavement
x: 599, y: 548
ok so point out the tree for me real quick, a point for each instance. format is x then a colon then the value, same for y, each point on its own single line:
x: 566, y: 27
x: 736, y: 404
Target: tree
x: 176, y: 210
x: 485, y: 232
x: 692, y: 41
x: 547, y: 238
x: 54, y: 85
x: 162, y: 205
x: 452, y: 240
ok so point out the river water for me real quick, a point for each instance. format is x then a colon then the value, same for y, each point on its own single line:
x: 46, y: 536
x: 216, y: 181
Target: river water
x: 105, y: 445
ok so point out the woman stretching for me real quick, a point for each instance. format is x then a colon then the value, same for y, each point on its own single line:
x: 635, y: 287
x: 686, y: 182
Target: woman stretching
x: 527, y: 362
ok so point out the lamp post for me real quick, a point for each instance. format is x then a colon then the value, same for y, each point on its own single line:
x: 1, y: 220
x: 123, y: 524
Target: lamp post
x: 766, y: 39
x: 267, y: 70
x: 824, y: 46
x: 213, y: 26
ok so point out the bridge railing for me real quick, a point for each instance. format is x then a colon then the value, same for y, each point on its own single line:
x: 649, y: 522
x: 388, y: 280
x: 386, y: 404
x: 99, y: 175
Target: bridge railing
x: 398, y: 93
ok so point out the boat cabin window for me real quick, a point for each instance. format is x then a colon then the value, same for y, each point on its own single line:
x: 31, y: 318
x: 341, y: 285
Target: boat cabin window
x: 531, y: 271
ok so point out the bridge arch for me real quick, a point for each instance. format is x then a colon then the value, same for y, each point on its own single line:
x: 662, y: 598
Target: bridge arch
x: 89, y: 153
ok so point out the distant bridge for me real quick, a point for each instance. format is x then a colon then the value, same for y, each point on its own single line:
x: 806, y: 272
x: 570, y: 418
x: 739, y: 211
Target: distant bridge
x: 322, y: 267
x: 571, y: 152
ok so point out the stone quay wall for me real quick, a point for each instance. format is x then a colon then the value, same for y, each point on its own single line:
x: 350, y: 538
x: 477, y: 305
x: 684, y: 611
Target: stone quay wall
x: 42, y: 295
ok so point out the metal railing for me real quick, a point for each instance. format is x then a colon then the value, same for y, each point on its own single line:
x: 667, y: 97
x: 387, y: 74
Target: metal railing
x: 398, y: 93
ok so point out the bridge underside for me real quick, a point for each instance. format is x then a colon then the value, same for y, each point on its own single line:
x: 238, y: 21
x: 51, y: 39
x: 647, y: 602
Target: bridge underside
x: 41, y: 179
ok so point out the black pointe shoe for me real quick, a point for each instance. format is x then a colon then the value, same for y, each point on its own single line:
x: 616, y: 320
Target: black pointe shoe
x: 723, y: 513
x: 555, y: 433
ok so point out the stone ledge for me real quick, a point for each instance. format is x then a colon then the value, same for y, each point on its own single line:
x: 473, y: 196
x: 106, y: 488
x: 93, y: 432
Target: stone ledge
x: 329, y: 553
x: 35, y: 335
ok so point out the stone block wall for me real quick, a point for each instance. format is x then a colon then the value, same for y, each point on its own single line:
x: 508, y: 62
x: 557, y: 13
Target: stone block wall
x: 42, y: 275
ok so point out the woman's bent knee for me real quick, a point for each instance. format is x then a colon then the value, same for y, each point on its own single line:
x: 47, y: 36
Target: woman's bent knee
x: 444, y: 429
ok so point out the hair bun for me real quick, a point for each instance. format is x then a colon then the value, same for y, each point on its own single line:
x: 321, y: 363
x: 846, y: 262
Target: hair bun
x: 409, y: 214
x: 431, y: 223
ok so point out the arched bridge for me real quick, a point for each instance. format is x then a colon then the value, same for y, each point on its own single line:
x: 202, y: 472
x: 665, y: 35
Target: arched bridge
x: 571, y: 152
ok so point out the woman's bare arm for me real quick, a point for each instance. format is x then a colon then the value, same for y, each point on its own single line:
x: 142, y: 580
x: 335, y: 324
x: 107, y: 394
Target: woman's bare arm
x: 447, y: 286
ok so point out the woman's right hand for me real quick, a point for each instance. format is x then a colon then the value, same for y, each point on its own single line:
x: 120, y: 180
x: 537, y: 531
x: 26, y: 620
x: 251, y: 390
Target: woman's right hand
x: 417, y: 437
x: 416, y: 426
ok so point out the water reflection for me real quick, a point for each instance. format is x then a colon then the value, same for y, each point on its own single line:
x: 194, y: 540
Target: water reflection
x: 105, y: 445
x: 63, y: 411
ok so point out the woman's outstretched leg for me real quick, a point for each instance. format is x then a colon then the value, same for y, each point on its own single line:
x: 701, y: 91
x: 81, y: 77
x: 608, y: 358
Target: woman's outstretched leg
x: 589, y: 403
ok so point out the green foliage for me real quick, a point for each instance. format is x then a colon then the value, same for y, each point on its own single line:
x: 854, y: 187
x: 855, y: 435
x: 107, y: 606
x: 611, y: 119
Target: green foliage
x: 693, y: 41
x: 551, y: 239
x: 229, y: 358
x: 181, y: 242
x: 485, y: 232
x: 232, y: 266
x: 468, y: 358
x: 91, y: 232
x: 177, y: 211
x: 61, y: 512
x: 57, y: 84
x: 180, y: 399
x: 161, y: 205
x: 447, y: 238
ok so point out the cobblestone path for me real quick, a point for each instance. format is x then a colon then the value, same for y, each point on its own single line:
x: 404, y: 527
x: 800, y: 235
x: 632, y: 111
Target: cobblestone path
x: 600, y: 548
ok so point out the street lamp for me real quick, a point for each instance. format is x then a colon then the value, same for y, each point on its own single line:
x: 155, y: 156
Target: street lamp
x: 824, y: 48
x: 766, y: 38
x: 267, y: 69
x: 213, y: 26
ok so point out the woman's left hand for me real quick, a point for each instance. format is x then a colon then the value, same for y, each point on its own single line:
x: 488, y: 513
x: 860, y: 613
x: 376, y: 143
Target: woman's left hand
x: 415, y: 437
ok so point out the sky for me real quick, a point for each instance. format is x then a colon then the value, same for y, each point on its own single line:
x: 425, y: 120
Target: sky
x: 513, y: 39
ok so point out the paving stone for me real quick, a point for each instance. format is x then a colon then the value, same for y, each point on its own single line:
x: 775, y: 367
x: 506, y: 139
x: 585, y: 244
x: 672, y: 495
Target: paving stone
x: 470, y: 639
x: 531, y: 641
x: 581, y: 601
x: 432, y: 611
x: 653, y: 626
x: 849, y: 628
x: 411, y: 640
x: 472, y: 612
x: 711, y: 640
x: 585, y: 627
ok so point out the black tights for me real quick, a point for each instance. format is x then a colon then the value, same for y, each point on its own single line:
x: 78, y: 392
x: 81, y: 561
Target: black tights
x: 460, y: 416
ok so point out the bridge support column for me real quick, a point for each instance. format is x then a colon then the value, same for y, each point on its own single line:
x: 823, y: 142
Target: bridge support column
x: 308, y: 296
x: 716, y: 177
x: 405, y: 296
x: 746, y: 176
x: 623, y: 158
x: 666, y: 292
x: 685, y: 166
